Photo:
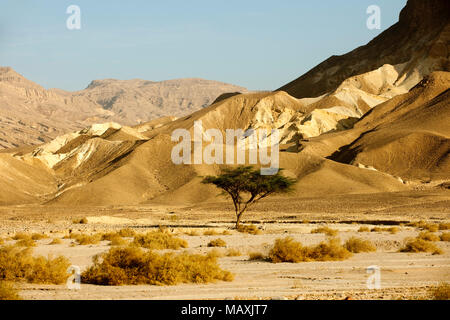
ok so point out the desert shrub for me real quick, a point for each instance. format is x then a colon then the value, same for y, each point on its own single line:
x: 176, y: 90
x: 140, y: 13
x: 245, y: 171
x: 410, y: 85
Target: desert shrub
x: 326, y: 230
x: 444, y: 226
x: 192, y: 233
x: 256, y: 256
x: 441, y: 292
x: 8, y: 292
x: 364, y: 229
x: 233, y: 253
x: 376, y: 229
x: 216, y: 253
x: 249, y: 228
x: 38, y: 236
x: 132, y: 266
x: 126, y: 233
x: 432, y: 227
x: 85, y: 239
x: 217, y: 243
x: 393, y: 230
x: 289, y: 250
x: 21, y: 236
x: 158, y: 240
x: 428, y: 236
x: 211, y: 232
x: 420, y: 245
x: 26, y: 243
x: 445, y: 236
x: 117, y: 240
x: 56, y: 241
x: 226, y: 233
x: 19, y: 264
x: 357, y: 245
x: 80, y: 221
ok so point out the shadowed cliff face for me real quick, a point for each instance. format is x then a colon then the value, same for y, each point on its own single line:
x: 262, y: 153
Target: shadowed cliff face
x: 420, y: 40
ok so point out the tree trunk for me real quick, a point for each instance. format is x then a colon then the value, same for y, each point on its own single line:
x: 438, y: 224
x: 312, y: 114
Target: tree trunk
x: 238, y: 220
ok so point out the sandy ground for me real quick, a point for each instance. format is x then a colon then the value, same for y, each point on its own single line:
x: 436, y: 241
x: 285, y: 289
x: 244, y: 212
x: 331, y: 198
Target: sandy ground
x: 403, y: 275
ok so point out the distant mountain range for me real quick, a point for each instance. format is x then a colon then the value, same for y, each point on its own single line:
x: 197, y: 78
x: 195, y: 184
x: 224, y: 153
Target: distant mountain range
x: 30, y: 114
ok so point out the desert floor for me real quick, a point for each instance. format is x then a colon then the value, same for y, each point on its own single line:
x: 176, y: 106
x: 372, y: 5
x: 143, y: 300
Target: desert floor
x: 403, y: 275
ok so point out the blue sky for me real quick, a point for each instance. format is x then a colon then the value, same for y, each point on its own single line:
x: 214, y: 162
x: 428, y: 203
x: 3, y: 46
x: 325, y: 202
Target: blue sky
x: 257, y: 44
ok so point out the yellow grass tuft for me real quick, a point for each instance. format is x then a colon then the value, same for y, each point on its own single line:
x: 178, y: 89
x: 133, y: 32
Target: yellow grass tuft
x: 445, y: 236
x: 192, y: 233
x: 39, y: 236
x: 289, y: 250
x: 126, y: 233
x: 21, y: 236
x: 420, y: 245
x: 217, y: 243
x: 158, y: 240
x: 233, y: 253
x: 250, y: 229
x: 441, y: 292
x: 326, y: 230
x: 19, y: 264
x: 256, y: 256
x: 428, y: 236
x: 8, y: 292
x: 364, y: 229
x: 444, y: 226
x: 26, y: 243
x: 133, y: 266
x: 210, y: 232
x: 84, y: 239
x: 357, y: 245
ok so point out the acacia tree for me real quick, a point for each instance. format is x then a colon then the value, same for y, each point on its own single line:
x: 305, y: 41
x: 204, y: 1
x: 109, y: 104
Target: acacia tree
x: 246, y: 186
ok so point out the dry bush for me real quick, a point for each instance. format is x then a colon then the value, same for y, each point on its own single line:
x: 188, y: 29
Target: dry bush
x: 39, y: 236
x: 80, y: 221
x: 250, y: 229
x: 21, y: 236
x: 364, y: 229
x: 357, y: 245
x: 216, y: 253
x: 233, y: 253
x: 256, y: 256
x: 28, y: 243
x: 393, y: 230
x: 192, y: 233
x: 211, y: 232
x: 133, y: 266
x: 445, y: 236
x: 56, y: 241
x: 420, y: 245
x: 226, y: 233
x: 441, y: 292
x: 376, y: 229
x: 84, y: 239
x: 428, y: 236
x: 8, y: 292
x: 126, y: 233
x: 19, y: 264
x: 217, y: 243
x: 444, y: 226
x: 158, y: 240
x: 432, y: 227
x: 289, y: 250
x: 117, y: 240
x: 326, y: 230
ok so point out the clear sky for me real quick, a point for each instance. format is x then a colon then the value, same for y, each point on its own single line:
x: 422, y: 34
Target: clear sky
x: 258, y: 44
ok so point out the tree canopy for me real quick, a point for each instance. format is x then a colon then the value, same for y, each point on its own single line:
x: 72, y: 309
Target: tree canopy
x: 245, y: 185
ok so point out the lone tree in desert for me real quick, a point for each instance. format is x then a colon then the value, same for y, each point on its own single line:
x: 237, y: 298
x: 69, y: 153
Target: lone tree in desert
x: 246, y: 186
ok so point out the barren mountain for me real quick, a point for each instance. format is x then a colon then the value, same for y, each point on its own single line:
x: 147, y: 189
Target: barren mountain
x: 419, y: 43
x: 31, y: 115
